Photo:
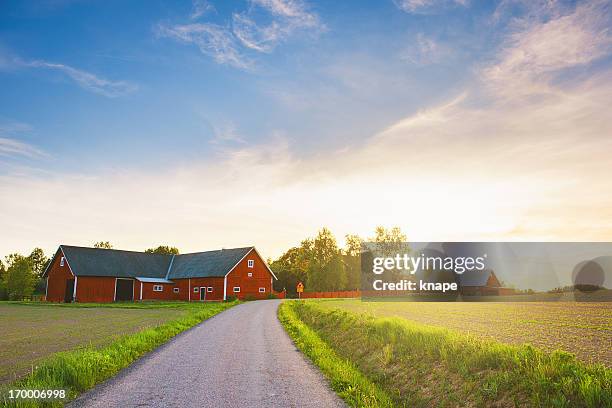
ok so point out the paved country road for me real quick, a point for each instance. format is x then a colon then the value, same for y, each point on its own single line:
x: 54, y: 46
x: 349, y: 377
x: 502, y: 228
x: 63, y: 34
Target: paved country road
x: 239, y: 358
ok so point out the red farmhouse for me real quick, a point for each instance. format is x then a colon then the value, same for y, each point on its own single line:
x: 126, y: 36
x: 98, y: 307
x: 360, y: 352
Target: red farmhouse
x: 78, y: 274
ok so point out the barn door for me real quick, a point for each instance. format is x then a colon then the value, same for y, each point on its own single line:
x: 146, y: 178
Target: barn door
x: 68, y: 296
x: 202, y: 293
x: 124, y: 290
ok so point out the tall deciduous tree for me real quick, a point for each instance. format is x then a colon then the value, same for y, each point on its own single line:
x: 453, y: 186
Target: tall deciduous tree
x: 18, y: 279
x: 352, y: 261
x: 163, y: 249
x: 3, y: 294
x: 39, y: 261
x: 326, y: 270
x: 103, y: 245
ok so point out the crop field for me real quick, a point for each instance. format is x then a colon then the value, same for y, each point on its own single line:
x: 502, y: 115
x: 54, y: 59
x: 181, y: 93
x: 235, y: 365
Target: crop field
x: 32, y: 332
x: 584, y: 329
x: 409, y: 354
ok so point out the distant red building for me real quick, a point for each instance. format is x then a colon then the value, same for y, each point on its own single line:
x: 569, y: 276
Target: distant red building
x: 79, y: 274
x: 482, y: 283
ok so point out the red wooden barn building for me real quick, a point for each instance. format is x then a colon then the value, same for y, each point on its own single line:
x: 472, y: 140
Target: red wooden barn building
x: 79, y: 274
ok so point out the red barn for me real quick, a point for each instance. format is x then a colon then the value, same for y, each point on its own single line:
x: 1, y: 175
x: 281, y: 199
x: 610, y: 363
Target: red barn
x: 79, y: 274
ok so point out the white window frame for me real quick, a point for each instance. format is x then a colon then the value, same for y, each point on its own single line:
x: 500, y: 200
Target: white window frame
x: 196, y: 289
x: 175, y: 290
x: 209, y: 289
x: 251, y: 263
x: 262, y: 290
x: 158, y: 288
x: 236, y: 291
x: 250, y: 274
x: 62, y: 261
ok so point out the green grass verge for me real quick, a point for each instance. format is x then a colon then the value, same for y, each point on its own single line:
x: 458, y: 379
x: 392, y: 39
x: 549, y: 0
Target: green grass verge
x: 352, y: 386
x: 79, y: 370
x: 422, y: 366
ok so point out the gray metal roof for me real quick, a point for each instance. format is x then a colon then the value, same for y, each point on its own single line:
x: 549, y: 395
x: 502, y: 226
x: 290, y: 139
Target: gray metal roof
x: 116, y: 263
x: 206, y: 264
x: 159, y: 268
x: 153, y: 280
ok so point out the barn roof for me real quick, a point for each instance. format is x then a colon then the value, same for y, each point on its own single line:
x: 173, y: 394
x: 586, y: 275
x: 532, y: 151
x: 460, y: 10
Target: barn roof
x: 206, y: 264
x: 85, y: 261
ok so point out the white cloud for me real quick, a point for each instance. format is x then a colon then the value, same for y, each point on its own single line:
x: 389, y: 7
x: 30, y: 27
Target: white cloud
x: 533, y: 55
x: 424, y: 51
x: 200, y: 7
x: 226, y: 132
x: 262, y: 39
x: 13, y: 147
x: 10, y: 146
x: 84, y: 79
x: 212, y: 40
x: 427, y: 6
x: 226, y: 46
x: 89, y: 81
x: 288, y: 16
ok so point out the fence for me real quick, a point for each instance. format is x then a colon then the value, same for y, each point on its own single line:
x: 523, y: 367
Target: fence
x: 340, y: 294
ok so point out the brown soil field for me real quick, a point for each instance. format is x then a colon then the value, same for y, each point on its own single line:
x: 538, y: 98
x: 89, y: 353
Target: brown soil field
x: 584, y: 329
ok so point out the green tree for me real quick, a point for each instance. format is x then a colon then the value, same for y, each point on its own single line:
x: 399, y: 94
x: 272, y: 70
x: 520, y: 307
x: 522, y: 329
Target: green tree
x: 163, y: 249
x: 19, y: 280
x: 352, y: 261
x: 3, y: 294
x: 326, y: 271
x: 103, y: 245
x: 389, y: 241
x: 39, y: 261
x: 290, y: 268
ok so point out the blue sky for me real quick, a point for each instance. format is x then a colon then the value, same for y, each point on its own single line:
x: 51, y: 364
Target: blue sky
x: 219, y: 123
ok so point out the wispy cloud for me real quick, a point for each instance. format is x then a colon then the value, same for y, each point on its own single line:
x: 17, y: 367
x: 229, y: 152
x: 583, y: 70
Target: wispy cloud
x: 10, y: 146
x: 425, y: 50
x: 245, y: 33
x: 539, y: 50
x: 288, y: 16
x: 226, y: 132
x: 212, y: 40
x: 87, y: 80
x: 427, y: 6
x: 200, y: 7
x: 13, y: 147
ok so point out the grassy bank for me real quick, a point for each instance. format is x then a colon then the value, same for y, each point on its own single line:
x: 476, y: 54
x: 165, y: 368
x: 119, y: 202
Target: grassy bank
x: 421, y: 366
x: 79, y: 370
x: 345, y: 378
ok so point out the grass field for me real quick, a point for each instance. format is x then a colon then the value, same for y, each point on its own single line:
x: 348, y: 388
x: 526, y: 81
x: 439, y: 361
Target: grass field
x: 584, y: 329
x: 382, y: 359
x: 75, y: 347
x: 30, y: 333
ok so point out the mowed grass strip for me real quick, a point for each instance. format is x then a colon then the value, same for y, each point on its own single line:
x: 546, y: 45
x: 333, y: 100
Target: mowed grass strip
x: 422, y: 366
x: 350, y: 384
x: 79, y: 370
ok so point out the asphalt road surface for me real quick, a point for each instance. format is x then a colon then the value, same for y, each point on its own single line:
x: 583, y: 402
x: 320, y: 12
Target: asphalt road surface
x: 239, y: 358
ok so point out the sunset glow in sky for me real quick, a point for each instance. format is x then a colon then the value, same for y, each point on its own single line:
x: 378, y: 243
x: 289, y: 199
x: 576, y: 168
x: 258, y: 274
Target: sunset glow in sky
x: 210, y: 124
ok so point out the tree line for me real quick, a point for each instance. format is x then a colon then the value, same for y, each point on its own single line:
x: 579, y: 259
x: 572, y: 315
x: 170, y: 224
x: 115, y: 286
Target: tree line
x: 323, y: 266
x: 21, y: 276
